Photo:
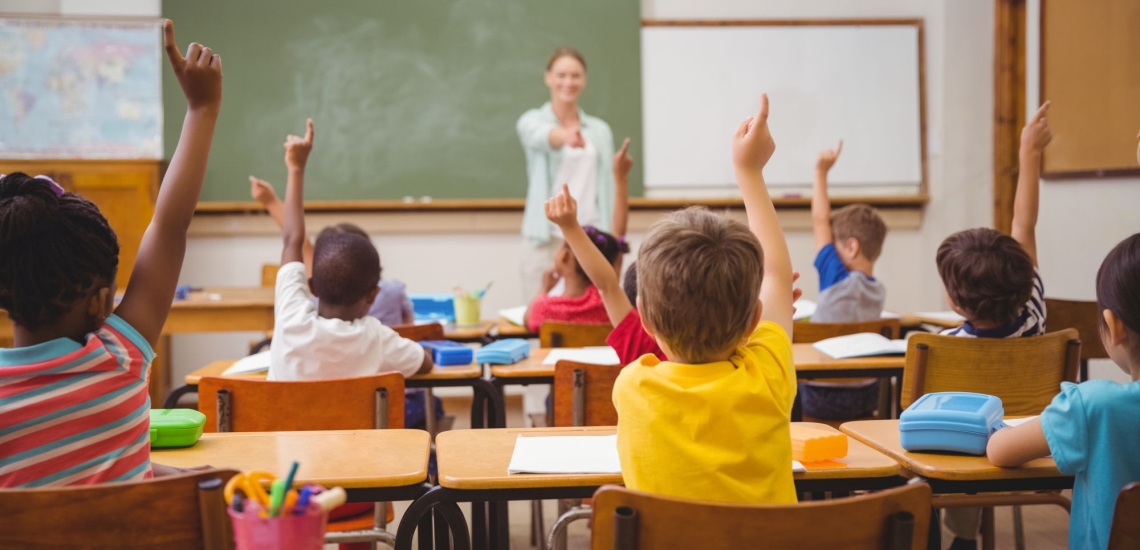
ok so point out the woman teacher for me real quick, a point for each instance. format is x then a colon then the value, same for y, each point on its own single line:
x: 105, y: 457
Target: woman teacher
x: 565, y: 145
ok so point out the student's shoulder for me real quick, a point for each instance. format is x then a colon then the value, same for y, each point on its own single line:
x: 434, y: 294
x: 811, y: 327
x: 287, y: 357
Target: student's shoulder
x: 772, y: 337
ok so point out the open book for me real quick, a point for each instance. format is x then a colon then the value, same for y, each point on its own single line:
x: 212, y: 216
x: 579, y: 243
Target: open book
x: 866, y: 344
x: 595, y: 355
x: 514, y: 315
x: 584, y: 454
x: 258, y: 362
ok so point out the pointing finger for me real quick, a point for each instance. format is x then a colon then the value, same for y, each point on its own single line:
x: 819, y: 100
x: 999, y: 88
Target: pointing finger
x: 624, y: 147
x: 309, y: 131
x: 172, y: 52
x: 762, y: 116
x: 1040, y: 114
x: 839, y: 149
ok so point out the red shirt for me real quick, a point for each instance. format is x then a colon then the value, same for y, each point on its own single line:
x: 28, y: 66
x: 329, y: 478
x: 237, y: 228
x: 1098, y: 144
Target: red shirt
x: 631, y: 341
x: 587, y: 308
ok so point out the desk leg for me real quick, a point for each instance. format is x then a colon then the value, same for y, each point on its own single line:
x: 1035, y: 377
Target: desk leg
x: 419, y: 515
x: 491, y: 394
x: 429, y: 412
x: 479, y: 526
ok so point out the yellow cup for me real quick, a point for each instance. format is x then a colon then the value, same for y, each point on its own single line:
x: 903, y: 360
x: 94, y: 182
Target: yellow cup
x: 467, y: 310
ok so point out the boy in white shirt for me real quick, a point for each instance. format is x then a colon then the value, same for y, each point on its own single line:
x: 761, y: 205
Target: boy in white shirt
x: 337, y: 338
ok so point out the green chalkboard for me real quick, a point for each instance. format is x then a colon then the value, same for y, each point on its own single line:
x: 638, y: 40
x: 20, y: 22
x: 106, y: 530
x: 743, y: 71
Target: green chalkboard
x: 409, y: 97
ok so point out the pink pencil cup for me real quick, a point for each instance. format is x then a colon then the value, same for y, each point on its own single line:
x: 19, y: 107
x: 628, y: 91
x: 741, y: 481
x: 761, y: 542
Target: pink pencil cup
x: 286, y: 532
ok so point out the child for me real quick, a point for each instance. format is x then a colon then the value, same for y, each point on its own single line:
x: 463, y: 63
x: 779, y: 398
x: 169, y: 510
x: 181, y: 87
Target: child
x: 336, y: 338
x: 712, y: 422
x: 848, y: 242
x: 74, y: 406
x: 391, y: 306
x: 992, y: 280
x: 1090, y: 428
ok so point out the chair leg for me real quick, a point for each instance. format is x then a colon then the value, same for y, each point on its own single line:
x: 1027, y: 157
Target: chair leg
x: 1018, y: 529
x: 558, y: 535
x: 988, y: 542
x: 537, y: 525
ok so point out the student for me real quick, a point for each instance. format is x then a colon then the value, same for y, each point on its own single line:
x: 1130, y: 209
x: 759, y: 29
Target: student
x: 992, y: 280
x: 1090, y: 428
x: 74, y: 405
x: 335, y: 338
x: 392, y: 305
x: 712, y: 422
x: 847, y: 241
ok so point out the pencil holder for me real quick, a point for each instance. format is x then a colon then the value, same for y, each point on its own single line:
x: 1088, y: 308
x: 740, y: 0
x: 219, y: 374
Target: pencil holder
x: 467, y: 310
x: 286, y: 532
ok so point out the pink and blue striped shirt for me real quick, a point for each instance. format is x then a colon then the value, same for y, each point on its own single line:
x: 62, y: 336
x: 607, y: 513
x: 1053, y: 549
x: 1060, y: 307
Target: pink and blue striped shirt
x: 74, y: 414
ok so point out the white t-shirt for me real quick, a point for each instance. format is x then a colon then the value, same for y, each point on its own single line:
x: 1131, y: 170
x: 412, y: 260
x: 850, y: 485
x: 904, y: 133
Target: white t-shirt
x: 309, y: 347
x: 579, y: 170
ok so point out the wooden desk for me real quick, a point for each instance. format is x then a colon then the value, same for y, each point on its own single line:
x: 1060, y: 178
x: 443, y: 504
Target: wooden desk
x: 954, y: 473
x: 505, y: 329
x: 438, y: 373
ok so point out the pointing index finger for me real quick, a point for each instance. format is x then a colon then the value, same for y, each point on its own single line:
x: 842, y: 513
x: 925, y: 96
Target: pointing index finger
x: 309, y: 130
x: 1040, y: 112
x: 762, y: 116
x: 839, y: 149
x: 170, y: 44
x: 624, y: 147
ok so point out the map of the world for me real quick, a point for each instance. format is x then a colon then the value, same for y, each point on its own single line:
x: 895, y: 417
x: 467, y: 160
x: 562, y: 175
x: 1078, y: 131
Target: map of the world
x: 72, y: 89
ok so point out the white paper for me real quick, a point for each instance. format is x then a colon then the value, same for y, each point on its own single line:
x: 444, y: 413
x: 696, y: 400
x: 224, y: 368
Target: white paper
x: 948, y: 316
x: 866, y: 344
x: 890, y: 315
x: 1011, y: 422
x: 565, y: 455
x: 514, y: 315
x: 595, y: 355
x: 258, y: 362
x: 804, y: 309
x: 798, y: 467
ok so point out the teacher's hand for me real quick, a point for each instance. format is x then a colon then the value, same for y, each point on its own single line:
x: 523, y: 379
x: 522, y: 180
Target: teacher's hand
x: 623, y: 163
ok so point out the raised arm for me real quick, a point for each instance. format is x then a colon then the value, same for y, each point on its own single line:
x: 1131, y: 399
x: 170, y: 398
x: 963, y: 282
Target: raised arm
x: 1034, y: 137
x: 563, y: 211
x: 534, y: 133
x: 296, y: 155
x: 752, y: 146
x: 263, y: 192
x: 623, y: 163
x: 163, y: 248
x: 820, y: 202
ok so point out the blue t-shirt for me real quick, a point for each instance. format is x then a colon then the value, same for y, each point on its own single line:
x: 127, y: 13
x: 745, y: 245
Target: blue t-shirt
x: 830, y: 267
x: 1091, y: 429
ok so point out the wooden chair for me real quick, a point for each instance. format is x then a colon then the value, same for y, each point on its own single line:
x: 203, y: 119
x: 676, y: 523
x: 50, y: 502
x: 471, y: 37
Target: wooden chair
x: 1125, y: 533
x: 183, y: 512
x: 1086, y: 318
x: 419, y: 333
x: 365, y: 403
x: 810, y: 333
x: 269, y: 275
x: 573, y: 335
x: 894, y: 519
x: 1026, y: 373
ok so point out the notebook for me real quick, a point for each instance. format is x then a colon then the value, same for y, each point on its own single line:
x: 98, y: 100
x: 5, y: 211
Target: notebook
x: 258, y: 362
x: 866, y: 344
x: 596, y: 355
x: 586, y: 454
x: 514, y: 315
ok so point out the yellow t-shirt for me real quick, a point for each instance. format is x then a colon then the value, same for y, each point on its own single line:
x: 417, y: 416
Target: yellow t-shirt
x: 717, y: 431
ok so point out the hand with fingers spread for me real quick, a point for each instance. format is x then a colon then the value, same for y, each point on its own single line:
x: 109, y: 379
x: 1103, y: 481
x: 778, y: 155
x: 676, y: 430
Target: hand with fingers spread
x: 297, y: 149
x: 199, y: 73
x: 752, y: 145
x: 623, y: 163
x: 827, y: 158
x: 262, y: 191
x: 562, y: 209
x: 1036, y: 134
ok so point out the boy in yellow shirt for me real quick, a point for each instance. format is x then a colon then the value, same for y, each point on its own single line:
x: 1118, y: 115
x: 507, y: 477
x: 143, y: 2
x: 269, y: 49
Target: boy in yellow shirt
x: 711, y: 423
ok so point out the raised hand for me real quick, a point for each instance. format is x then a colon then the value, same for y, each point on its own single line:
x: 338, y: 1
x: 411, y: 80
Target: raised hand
x: 623, y: 163
x: 752, y: 145
x: 297, y: 149
x: 827, y: 158
x: 549, y: 279
x: 199, y: 73
x: 1036, y: 134
x: 261, y: 191
x: 562, y: 209
x: 797, y: 292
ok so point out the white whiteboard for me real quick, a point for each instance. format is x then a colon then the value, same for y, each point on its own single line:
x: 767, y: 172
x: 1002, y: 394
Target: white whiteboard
x: 824, y: 83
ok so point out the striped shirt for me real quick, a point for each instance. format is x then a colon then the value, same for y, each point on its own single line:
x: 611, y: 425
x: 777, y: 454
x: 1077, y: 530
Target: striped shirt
x: 74, y: 414
x: 1030, y: 322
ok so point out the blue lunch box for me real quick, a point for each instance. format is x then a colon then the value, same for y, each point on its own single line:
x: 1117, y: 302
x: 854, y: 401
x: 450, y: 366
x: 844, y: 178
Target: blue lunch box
x: 446, y: 353
x: 433, y: 307
x: 957, y: 422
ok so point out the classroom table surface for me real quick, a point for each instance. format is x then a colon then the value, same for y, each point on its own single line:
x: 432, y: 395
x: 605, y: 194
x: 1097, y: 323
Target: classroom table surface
x: 458, y: 372
x: 804, y: 356
x: 478, y: 459
x: 507, y: 329
x: 883, y: 436
x: 352, y: 459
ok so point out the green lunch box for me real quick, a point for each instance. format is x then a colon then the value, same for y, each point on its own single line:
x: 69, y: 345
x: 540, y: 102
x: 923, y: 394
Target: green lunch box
x: 175, y: 427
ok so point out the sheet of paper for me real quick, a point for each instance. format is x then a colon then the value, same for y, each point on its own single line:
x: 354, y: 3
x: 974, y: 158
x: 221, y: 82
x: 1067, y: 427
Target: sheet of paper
x: 596, y: 355
x: 867, y: 344
x: 797, y: 467
x: 890, y: 315
x: 514, y: 315
x: 948, y: 316
x: 1018, y: 421
x: 258, y: 362
x: 804, y: 308
x: 565, y: 455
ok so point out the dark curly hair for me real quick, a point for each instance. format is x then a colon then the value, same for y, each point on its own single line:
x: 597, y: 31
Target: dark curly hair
x: 986, y: 273
x: 346, y: 266
x: 53, y: 247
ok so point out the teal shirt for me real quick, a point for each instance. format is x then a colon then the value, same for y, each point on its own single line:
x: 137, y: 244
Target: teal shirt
x: 1092, y: 432
x: 543, y: 161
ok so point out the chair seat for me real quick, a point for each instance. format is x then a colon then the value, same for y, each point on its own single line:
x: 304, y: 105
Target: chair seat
x: 358, y: 522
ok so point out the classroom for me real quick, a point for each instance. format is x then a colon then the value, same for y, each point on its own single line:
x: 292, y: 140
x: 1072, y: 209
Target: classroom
x: 484, y: 274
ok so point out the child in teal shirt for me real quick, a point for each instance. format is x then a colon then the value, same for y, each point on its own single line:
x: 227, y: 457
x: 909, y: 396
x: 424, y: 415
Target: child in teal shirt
x: 1090, y: 428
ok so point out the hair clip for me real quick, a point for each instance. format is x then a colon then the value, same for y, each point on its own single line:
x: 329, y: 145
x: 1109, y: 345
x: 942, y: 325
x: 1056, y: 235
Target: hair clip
x: 55, y: 187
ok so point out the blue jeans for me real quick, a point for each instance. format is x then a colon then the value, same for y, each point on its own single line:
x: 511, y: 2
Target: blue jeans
x: 839, y: 403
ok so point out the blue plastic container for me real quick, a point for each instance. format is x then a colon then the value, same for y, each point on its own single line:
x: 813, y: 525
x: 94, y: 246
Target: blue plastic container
x: 957, y: 422
x: 503, y: 352
x: 446, y: 353
x: 433, y: 307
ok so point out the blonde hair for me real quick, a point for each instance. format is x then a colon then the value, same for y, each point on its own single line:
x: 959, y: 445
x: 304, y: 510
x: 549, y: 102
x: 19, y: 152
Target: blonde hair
x: 565, y: 51
x: 698, y: 276
x: 862, y: 223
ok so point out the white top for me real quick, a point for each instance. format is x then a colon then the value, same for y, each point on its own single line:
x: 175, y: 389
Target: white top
x: 579, y: 169
x: 309, y: 347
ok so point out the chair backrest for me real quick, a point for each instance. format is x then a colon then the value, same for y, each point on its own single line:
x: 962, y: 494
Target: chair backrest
x: 583, y: 394
x: 893, y: 519
x: 269, y: 275
x: 419, y: 333
x: 810, y: 333
x: 1081, y: 315
x: 1026, y: 373
x: 252, y: 405
x: 183, y: 512
x: 1125, y: 534
x: 573, y: 335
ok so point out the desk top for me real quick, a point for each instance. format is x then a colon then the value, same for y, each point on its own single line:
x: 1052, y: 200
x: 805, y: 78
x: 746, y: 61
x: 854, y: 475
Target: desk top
x: 353, y: 459
x: 227, y: 297
x: 883, y: 436
x: 478, y: 459
x: 438, y: 373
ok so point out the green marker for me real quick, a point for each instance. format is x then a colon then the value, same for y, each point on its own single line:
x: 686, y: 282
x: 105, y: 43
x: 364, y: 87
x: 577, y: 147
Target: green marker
x: 276, y: 497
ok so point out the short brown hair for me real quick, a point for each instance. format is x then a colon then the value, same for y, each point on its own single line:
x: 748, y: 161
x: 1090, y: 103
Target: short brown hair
x: 987, y: 274
x: 698, y: 275
x: 565, y: 51
x: 862, y: 223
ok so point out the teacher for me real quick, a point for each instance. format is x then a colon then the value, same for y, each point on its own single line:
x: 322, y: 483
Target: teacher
x: 563, y: 145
